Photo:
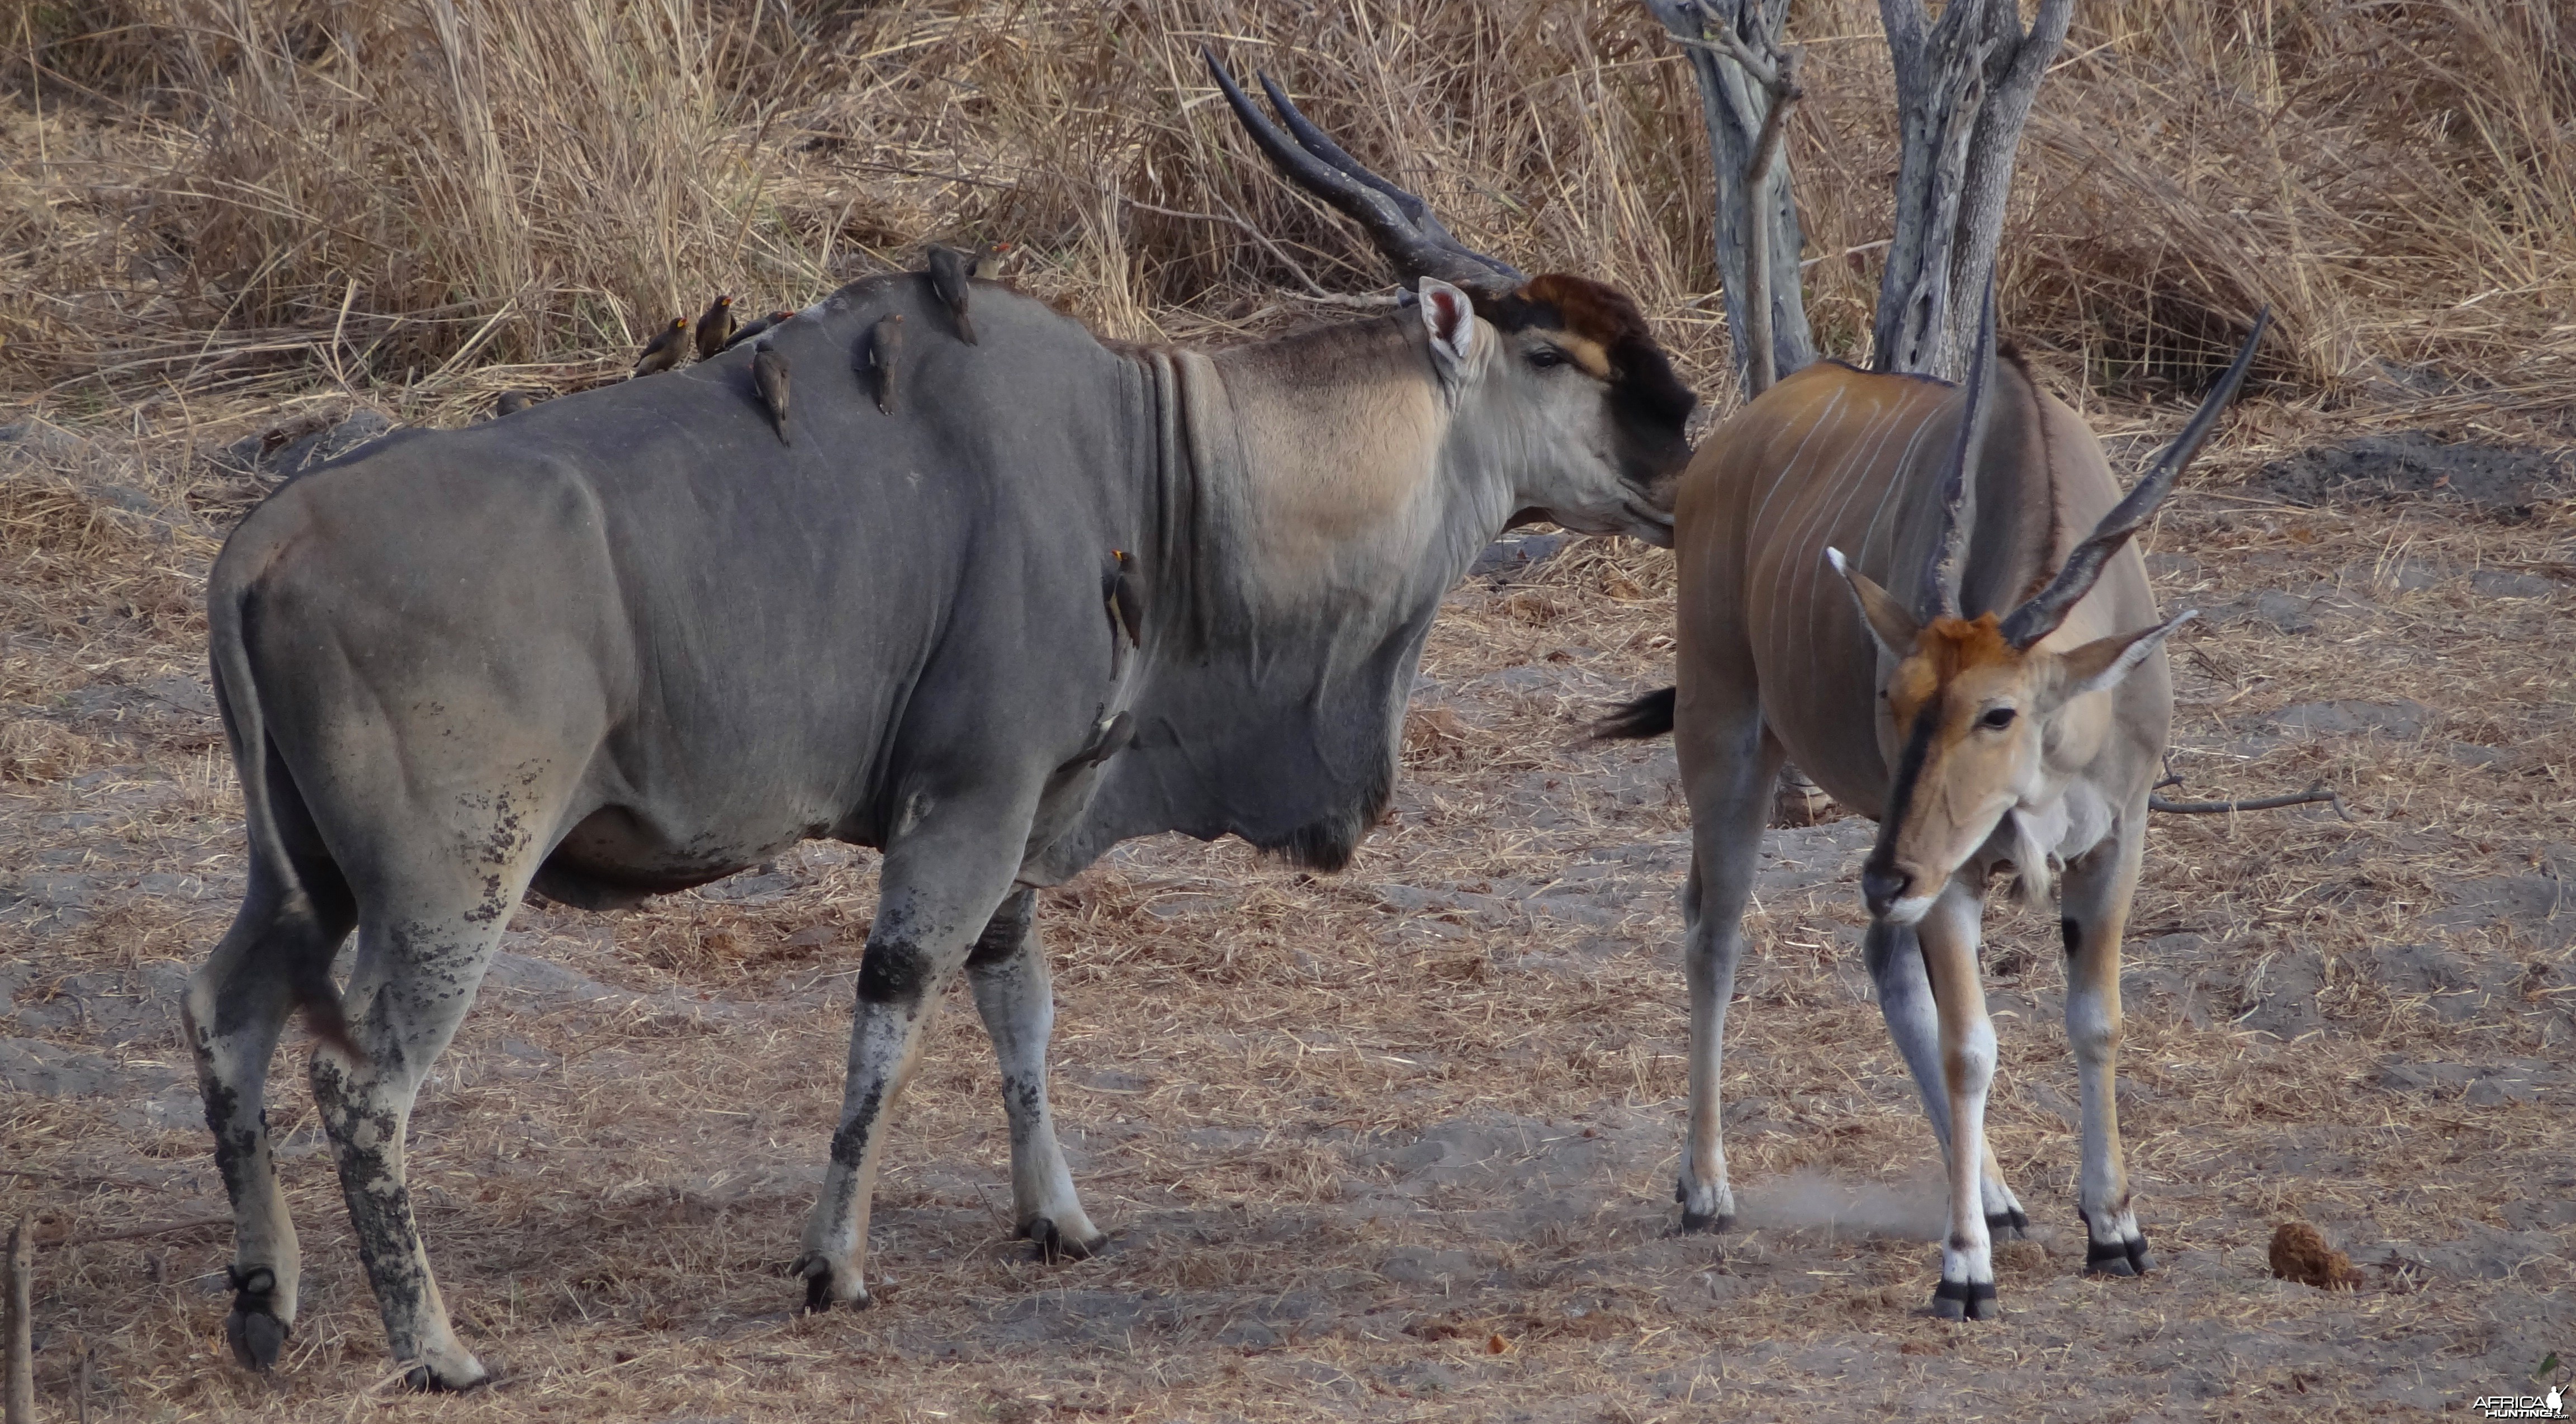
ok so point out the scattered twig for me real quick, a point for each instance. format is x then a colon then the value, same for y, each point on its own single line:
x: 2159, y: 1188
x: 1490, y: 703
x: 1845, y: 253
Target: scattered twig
x: 18, y: 1391
x: 65, y: 1236
x: 2318, y: 792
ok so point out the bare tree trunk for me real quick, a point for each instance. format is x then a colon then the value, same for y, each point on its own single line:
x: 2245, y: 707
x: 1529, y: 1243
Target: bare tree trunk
x: 1756, y: 224
x: 1963, y: 92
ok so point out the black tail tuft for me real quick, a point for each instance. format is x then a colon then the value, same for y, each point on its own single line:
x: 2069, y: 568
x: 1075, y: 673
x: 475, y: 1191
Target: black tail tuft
x: 314, y: 993
x: 1647, y: 717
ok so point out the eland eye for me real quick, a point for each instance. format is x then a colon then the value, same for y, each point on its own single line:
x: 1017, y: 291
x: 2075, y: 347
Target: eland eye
x: 1996, y: 719
x: 1544, y: 357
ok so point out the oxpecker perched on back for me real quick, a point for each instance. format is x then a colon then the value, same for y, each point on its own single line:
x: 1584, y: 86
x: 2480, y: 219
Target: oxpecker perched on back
x: 950, y: 271
x: 663, y: 352
x: 769, y: 377
x: 879, y: 355
x: 753, y: 329
x: 715, y: 327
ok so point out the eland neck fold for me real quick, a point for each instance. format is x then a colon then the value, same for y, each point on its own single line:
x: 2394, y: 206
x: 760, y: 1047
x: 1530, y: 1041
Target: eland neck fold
x: 1310, y: 516
x: 1320, y: 493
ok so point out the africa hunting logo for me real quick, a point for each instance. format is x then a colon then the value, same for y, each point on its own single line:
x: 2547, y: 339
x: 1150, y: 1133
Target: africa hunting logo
x: 2552, y: 1405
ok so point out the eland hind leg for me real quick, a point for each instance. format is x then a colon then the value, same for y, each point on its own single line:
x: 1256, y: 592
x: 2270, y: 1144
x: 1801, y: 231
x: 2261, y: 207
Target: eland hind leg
x: 941, y: 885
x: 1012, y: 991
x: 237, y: 1004
x: 2094, y: 900
x: 1729, y: 763
x: 428, y: 923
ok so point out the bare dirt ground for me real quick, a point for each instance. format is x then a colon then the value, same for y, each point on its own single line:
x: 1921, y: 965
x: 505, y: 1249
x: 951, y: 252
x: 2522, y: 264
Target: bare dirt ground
x: 1397, y: 1144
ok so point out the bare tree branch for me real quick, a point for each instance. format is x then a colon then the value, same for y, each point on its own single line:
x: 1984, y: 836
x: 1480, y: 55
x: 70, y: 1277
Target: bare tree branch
x: 1763, y: 372
x: 1736, y: 55
x: 1964, y: 87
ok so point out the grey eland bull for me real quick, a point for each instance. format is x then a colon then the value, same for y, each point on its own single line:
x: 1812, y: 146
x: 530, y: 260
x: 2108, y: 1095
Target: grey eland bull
x: 626, y: 642
x: 2010, y: 714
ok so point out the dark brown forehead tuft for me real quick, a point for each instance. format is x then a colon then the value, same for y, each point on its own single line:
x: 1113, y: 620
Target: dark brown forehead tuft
x: 1602, y: 314
x: 1957, y: 644
x: 1587, y: 308
x: 1944, y: 649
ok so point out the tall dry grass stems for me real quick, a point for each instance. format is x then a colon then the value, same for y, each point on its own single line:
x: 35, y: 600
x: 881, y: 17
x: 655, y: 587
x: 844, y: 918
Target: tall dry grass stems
x: 210, y: 194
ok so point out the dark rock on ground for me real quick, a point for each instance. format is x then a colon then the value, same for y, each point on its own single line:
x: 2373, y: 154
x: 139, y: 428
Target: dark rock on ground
x: 2413, y: 463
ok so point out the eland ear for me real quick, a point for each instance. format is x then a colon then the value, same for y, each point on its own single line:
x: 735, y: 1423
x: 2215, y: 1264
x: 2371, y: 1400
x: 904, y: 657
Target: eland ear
x: 2104, y: 661
x: 1889, y: 622
x: 1450, y: 317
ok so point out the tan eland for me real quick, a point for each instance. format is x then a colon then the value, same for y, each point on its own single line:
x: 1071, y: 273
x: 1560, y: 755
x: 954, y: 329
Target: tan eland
x: 2009, y: 711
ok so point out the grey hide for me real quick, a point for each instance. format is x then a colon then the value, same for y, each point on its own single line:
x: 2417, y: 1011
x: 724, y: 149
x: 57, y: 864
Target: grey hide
x: 626, y: 642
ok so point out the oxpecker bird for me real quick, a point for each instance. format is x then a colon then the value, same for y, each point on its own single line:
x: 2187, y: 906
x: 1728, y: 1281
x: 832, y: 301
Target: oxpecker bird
x: 1108, y: 739
x: 986, y: 264
x: 878, y: 360
x: 949, y: 271
x: 663, y: 352
x: 753, y: 329
x: 1125, y: 594
x: 715, y: 327
x: 769, y: 377
x: 512, y: 402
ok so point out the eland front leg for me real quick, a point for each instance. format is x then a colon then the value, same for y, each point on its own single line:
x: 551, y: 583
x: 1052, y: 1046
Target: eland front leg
x: 1949, y: 934
x: 941, y: 885
x: 1017, y: 1001
x: 2094, y: 901
x: 1895, y: 961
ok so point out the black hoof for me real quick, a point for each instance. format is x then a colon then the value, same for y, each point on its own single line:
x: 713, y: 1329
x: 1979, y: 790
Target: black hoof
x: 1965, y: 1300
x: 1049, y: 1244
x: 2118, y: 1258
x: 1698, y: 1221
x: 2014, y: 1223
x: 257, y: 1335
x: 818, y: 1285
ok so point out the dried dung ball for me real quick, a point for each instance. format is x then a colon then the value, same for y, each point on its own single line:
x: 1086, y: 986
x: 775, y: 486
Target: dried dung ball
x: 2300, y: 1253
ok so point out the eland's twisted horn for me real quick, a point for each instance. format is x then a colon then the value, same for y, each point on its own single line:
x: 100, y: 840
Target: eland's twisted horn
x: 1939, y: 595
x: 2047, y: 608
x: 1403, y: 226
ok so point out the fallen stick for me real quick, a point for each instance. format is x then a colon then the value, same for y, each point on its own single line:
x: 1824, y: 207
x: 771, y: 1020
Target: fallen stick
x: 18, y: 1402
x: 2318, y: 792
x: 65, y: 1236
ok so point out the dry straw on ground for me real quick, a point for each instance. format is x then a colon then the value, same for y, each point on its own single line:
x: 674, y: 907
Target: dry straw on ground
x: 1349, y: 1131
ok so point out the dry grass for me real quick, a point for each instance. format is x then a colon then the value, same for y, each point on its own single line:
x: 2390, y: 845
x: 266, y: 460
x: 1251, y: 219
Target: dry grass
x: 427, y: 202
x: 1396, y: 1143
